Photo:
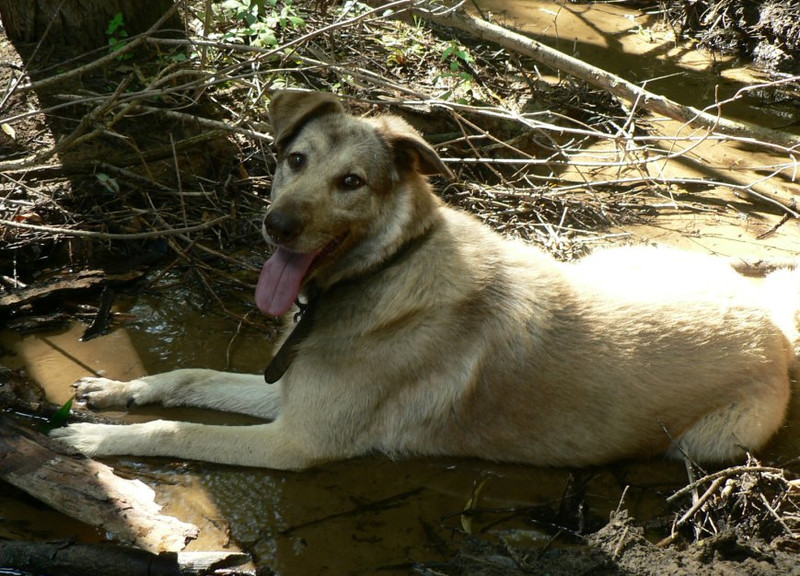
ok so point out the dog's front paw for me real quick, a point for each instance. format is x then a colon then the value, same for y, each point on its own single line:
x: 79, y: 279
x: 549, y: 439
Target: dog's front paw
x: 90, y: 439
x: 100, y: 393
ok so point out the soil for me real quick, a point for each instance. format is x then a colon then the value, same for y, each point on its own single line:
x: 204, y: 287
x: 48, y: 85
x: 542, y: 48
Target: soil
x: 621, y: 548
x: 744, y: 541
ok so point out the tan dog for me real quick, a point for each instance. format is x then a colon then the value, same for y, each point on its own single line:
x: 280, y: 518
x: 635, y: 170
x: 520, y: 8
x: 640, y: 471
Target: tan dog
x: 428, y: 333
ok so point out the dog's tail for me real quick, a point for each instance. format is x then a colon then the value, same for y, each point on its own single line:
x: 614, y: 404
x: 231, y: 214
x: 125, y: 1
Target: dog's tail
x: 783, y: 298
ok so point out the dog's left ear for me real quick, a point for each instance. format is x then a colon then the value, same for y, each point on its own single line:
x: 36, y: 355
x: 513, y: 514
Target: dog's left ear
x: 411, y: 151
x: 289, y: 110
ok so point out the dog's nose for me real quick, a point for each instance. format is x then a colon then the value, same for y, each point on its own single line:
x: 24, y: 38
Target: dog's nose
x: 282, y: 226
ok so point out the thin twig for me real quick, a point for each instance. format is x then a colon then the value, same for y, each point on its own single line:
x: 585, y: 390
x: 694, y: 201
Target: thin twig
x: 77, y: 233
x: 726, y: 473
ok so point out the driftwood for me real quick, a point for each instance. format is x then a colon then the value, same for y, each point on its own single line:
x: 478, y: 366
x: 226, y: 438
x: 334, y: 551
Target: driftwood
x: 87, y: 490
x: 617, y: 86
x: 71, y: 559
x: 69, y: 283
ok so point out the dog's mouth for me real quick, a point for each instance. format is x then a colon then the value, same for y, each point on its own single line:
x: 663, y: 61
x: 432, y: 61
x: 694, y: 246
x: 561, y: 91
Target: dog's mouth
x: 284, y: 274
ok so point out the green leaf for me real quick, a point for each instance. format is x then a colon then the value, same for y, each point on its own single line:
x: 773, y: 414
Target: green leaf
x: 464, y: 55
x: 107, y: 182
x: 115, y: 23
x: 59, y: 419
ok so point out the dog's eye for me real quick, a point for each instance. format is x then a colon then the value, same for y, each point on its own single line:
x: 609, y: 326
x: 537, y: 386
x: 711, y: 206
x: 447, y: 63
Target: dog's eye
x: 296, y: 160
x: 352, y: 182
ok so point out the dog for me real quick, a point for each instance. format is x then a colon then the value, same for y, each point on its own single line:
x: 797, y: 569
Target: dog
x: 426, y: 333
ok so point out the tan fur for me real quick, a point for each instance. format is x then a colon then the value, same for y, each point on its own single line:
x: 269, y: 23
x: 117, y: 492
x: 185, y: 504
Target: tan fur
x: 469, y: 344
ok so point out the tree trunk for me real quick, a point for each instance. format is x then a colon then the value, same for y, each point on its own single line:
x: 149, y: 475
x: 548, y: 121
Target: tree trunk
x: 80, y: 24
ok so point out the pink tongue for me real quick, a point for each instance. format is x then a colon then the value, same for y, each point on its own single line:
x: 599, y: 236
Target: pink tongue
x: 280, y: 281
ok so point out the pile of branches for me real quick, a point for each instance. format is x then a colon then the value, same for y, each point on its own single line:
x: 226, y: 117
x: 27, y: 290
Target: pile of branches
x: 744, y: 502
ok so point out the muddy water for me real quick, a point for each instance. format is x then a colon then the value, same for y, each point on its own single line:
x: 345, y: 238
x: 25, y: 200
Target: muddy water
x: 343, y: 518
x: 351, y: 517
x: 372, y: 514
x: 641, y: 47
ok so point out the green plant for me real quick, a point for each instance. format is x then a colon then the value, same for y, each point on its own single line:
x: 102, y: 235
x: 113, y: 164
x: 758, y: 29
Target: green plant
x: 257, y: 22
x: 458, y: 61
x: 402, y: 51
x: 117, y: 35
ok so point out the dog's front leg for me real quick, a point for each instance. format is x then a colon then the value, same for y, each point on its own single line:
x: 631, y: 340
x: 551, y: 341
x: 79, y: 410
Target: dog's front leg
x: 265, y: 445
x: 225, y: 391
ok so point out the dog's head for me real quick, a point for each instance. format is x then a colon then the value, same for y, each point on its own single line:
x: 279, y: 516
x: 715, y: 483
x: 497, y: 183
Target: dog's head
x: 347, y: 193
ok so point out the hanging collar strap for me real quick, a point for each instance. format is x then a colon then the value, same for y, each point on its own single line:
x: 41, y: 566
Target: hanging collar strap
x: 281, y: 361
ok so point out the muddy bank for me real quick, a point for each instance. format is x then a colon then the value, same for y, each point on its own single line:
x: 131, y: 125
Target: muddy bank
x: 621, y: 548
x: 765, y: 32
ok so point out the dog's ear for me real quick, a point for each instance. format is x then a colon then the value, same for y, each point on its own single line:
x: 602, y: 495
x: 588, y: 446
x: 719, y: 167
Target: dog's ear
x: 290, y: 109
x: 411, y: 151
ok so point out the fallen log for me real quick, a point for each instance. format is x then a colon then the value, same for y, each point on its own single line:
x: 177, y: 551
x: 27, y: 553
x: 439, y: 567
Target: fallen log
x: 72, y: 559
x: 87, y: 490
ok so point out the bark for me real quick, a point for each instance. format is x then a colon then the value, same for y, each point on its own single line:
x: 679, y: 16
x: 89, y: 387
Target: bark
x: 81, y: 24
x: 87, y: 490
x: 617, y: 86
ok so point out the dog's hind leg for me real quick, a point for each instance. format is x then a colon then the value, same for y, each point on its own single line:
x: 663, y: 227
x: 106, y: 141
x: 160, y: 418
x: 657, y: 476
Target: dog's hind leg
x: 225, y: 391
x: 758, y: 410
x: 740, y: 427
